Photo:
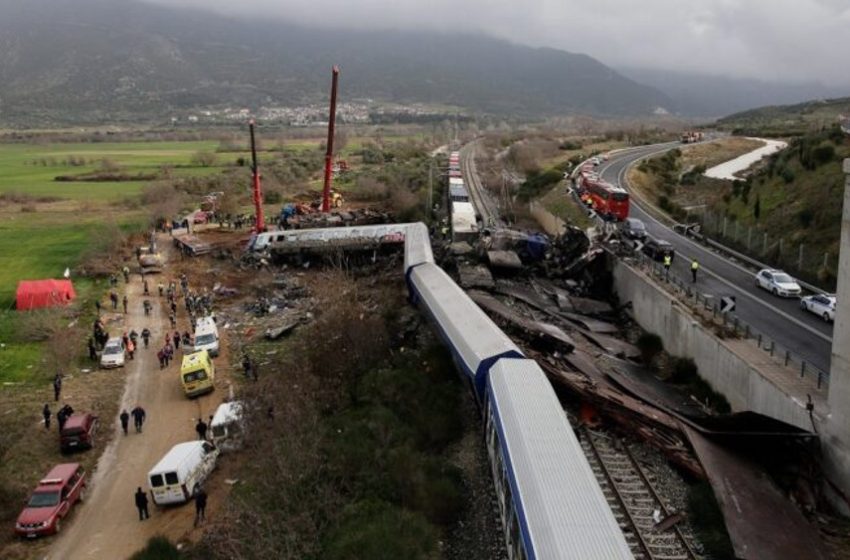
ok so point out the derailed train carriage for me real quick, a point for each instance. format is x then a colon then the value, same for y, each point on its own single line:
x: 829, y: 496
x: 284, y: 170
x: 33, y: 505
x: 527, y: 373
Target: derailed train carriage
x: 550, y: 502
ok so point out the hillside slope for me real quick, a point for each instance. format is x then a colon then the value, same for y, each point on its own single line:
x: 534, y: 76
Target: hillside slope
x: 83, y: 60
x: 783, y: 120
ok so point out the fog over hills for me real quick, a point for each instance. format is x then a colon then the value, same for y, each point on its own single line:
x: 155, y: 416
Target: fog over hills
x: 99, y: 60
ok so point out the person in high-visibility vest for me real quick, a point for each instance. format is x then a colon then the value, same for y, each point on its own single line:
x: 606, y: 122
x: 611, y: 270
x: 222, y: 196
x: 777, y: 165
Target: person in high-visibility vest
x: 694, y: 268
x: 668, y: 260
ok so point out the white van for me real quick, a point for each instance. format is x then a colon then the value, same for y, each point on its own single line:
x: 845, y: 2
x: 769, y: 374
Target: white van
x: 206, y: 336
x: 228, y: 426
x: 177, y: 476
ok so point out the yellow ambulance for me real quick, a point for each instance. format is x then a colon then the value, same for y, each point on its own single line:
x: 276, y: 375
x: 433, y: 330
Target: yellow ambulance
x: 197, y: 373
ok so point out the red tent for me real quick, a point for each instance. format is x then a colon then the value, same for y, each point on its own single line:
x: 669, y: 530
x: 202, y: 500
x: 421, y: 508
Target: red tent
x: 34, y: 294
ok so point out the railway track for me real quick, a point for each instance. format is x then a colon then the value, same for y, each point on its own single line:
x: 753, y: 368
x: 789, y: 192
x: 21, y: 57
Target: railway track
x: 635, y: 503
x: 484, y: 205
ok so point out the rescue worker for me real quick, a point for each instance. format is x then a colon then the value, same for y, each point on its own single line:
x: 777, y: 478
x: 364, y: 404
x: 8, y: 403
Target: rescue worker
x: 57, y: 386
x: 125, y: 420
x: 124, y: 301
x: 200, y: 505
x: 694, y: 269
x: 113, y: 297
x: 176, y: 339
x: 142, y: 504
x: 161, y: 289
x: 131, y: 349
x: 97, y: 305
x: 161, y: 357
x: 668, y: 260
x: 46, y: 413
x: 201, y: 428
x: 146, y: 336
x: 138, y: 414
x: 92, y: 350
x: 147, y: 305
x: 145, y: 285
x: 126, y: 272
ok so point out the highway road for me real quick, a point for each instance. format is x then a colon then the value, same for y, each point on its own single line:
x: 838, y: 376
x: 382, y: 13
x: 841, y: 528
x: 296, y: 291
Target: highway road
x: 805, y: 335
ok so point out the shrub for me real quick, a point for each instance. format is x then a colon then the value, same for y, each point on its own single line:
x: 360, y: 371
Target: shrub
x: 683, y: 370
x: 650, y: 345
x: 787, y: 175
x: 377, y: 530
x: 158, y: 548
x: 823, y: 153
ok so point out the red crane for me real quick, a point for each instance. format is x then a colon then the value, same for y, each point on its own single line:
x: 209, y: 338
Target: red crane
x: 326, y: 192
x: 260, y: 224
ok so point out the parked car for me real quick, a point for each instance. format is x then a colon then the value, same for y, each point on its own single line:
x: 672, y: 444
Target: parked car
x: 52, y: 500
x: 78, y: 432
x: 634, y: 228
x: 657, y: 249
x: 821, y: 305
x: 777, y: 282
x: 113, y: 353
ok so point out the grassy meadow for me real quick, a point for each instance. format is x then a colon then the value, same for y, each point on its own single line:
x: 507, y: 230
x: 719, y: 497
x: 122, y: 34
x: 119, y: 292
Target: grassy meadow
x: 48, y: 225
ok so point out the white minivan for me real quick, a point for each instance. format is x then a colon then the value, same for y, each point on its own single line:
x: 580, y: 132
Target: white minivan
x: 177, y: 476
x: 206, y: 336
x: 228, y: 426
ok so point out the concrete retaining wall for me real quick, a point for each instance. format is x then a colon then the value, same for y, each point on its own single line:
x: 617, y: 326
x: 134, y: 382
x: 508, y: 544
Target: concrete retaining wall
x: 719, y: 364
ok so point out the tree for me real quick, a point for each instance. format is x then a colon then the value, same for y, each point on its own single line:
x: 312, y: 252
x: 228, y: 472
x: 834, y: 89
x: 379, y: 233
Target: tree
x: 203, y: 158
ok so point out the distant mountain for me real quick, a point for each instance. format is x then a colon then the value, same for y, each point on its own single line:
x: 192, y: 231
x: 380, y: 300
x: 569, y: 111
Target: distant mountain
x: 790, y: 119
x: 703, y: 95
x: 66, y: 61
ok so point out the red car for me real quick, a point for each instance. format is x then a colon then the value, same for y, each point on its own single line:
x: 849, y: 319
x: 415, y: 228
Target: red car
x: 78, y: 432
x: 52, y: 500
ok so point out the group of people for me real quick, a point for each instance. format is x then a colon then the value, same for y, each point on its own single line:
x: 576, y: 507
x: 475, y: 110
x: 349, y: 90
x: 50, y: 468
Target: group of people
x: 138, y: 414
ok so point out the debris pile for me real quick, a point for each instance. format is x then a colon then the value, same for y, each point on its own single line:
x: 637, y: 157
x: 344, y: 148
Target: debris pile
x: 351, y: 217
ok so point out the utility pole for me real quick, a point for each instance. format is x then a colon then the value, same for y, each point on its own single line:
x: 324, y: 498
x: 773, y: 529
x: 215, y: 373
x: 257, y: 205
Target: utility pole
x: 329, y: 155
x: 430, y: 208
x: 260, y: 223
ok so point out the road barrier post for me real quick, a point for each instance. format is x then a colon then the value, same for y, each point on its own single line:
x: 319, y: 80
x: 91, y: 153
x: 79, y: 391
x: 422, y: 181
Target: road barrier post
x: 725, y: 221
x: 737, y: 223
x: 764, y: 245
x: 772, y: 346
x: 787, y: 357
x: 800, y: 258
x: 820, y: 378
x: 825, y: 260
x: 746, y: 331
x: 759, y: 341
x: 749, y: 237
x: 803, y: 369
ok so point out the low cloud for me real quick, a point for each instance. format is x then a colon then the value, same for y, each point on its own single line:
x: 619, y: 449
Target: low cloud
x: 777, y: 40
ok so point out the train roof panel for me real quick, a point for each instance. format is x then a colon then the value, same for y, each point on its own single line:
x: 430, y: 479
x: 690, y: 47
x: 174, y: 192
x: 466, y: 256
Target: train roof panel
x: 472, y: 336
x: 562, y: 505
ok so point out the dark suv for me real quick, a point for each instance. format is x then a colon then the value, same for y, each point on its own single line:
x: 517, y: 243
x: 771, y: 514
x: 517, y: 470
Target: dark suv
x: 657, y: 249
x: 78, y: 432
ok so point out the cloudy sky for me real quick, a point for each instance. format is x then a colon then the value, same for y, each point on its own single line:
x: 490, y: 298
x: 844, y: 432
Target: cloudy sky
x: 777, y: 40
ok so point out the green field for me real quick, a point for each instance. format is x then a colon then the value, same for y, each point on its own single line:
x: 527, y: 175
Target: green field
x: 31, y: 168
x: 39, y: 239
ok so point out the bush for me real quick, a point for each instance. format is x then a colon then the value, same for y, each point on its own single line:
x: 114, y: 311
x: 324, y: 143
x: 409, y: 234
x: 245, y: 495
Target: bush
x: 158, y: 548
x: 823, y: 153
x: 650, y: 346
x: 787, y: 175
x: 683, y: 370
x: 377, y: 530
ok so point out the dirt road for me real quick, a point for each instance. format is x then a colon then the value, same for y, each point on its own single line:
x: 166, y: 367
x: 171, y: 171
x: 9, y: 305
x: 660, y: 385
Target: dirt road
x: 107, y: 525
